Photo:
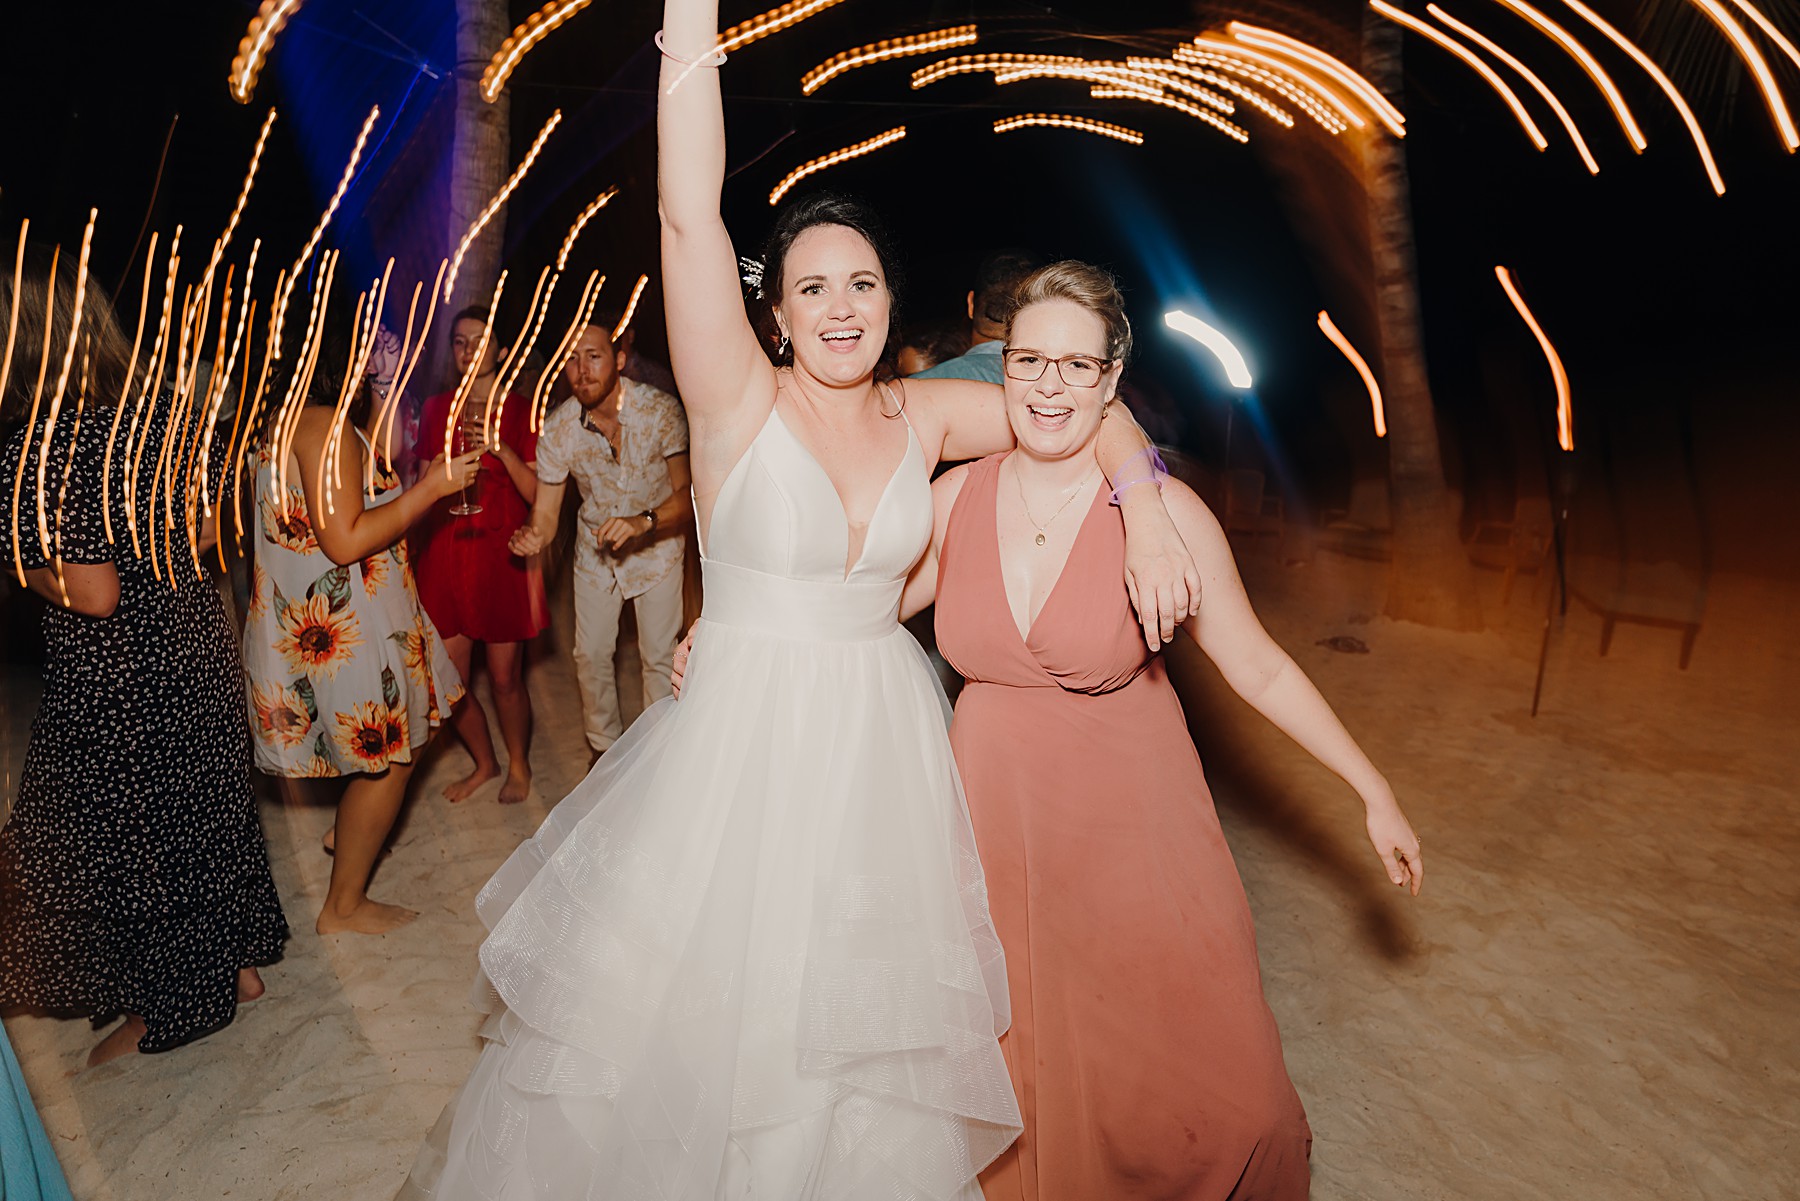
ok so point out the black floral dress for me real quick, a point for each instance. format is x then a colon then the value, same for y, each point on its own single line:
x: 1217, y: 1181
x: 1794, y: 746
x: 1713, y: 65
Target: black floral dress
x: 133, y: 874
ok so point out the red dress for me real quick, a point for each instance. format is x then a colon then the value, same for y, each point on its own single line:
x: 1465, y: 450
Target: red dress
x: 469, y: 582
x: 1146, y: 1062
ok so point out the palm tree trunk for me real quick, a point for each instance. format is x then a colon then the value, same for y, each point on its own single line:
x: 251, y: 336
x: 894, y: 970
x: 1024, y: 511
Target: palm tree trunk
x: 1431, y: 580
x: 478, y: 165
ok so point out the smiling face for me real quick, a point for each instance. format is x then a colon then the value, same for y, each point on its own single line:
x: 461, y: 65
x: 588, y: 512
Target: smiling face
x: 1051, y: 419
x: 834, y: 304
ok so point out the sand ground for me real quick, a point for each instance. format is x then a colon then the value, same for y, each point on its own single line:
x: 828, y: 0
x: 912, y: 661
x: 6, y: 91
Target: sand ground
x: 1595, y: 998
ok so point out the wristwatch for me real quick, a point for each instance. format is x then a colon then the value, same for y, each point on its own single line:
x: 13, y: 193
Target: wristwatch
x: 651, y: 514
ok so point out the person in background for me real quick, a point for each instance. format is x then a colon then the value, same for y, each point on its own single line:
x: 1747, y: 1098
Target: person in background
x: 925, y: 346
x: 134, y: 880
x: 626, y: 445
x: 998, y: 276
x: 348, y: 676
x: 476, y: 589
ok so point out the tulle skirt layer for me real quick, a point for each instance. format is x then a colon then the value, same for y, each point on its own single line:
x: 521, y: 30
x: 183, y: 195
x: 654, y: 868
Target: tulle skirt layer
x: 748, y: 957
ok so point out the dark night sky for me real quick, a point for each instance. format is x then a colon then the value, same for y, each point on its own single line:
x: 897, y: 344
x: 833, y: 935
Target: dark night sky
x: 1673, y: 309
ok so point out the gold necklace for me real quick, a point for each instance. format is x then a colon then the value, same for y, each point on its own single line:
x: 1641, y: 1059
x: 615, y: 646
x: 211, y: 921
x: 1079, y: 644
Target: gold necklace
x: 1067, y: 500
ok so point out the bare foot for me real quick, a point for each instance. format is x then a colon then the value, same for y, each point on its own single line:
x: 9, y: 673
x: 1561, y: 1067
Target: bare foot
x: 465, y: 788
x: 370, y: 917
x: 249, y: 985
x: 516, y: 788
x: 123, y: 1041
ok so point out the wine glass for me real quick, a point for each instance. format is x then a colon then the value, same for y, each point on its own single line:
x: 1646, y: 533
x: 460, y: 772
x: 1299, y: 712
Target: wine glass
x: 465, y: 438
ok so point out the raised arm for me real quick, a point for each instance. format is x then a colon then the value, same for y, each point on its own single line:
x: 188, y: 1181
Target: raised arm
x: 1257, y: 669
x: 345, y: 529
x: 712, y: 348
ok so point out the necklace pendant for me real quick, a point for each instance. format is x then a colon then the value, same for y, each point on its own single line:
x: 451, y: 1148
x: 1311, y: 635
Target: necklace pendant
x: 1040, y: 539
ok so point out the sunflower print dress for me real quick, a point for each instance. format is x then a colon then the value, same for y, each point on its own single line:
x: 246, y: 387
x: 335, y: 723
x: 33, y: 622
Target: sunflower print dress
x: 347, y: 673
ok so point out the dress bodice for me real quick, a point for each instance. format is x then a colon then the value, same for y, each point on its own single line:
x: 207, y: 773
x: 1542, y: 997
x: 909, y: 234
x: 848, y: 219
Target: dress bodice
x: 773, y: 559
x: 1084, y: 639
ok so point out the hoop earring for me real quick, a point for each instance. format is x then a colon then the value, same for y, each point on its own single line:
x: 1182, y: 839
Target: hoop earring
x: 899, y: 405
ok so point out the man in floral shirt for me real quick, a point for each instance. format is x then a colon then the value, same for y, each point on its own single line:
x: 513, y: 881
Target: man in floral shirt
x: 626, y: 444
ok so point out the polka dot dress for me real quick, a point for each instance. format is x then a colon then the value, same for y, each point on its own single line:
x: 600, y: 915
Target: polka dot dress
x: 133, y: 874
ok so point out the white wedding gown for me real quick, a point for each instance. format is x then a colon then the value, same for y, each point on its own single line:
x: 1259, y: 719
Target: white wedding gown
x: 749, y: 957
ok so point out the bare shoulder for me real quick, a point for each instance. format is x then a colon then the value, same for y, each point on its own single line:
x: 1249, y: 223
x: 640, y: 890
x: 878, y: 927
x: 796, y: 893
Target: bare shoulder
x: 1193, y: 519
x: 948, y: 486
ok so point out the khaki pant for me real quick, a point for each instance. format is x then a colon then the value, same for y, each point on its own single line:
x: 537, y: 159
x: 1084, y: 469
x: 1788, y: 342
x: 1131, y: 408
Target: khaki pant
x: 598, y: 605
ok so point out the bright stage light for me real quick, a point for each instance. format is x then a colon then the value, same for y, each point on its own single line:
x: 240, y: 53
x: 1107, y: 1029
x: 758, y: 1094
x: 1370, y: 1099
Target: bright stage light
x: 1237, y: 371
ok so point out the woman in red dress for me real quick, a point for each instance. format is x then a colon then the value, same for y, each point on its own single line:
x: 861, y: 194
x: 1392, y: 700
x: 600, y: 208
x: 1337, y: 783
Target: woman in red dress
x: 472, y: 586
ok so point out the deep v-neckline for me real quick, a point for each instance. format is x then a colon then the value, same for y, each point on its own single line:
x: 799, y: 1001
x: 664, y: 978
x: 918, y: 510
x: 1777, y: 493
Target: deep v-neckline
x: 1032, y: 619
x: 843, y: 509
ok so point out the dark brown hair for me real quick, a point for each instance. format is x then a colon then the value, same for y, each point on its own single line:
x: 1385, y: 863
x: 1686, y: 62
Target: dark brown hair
x: 824, y: 208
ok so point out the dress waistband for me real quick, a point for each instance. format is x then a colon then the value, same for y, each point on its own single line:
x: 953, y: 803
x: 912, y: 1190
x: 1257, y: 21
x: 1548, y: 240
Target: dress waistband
x: 805, y: 610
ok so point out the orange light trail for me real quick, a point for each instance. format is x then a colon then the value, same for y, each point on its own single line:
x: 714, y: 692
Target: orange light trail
x: 773, y: 21
x: 1174, y: 70
x: 584, y: 312
x: 1769, y: 30
x: 1759, y: 70
x: 501, y: 388
x: 1219, y: 43
x: 287, y: 414
x: 1530, y: 77
x: 587, y: 214
x: 1473, y: 61
x: 363, y: 327
x: 1145, y: 84
x: 637, y: 291
x: 1105, y: 129
x: 150, y: 394
x: 1665, y: 83
x: 12, y: 335
x: 312, y: 241
x: 1590, y: 64
x: 253, y: 50
x: 404, y: 376
x: 137, y: 344
x: 882, y: 51
x: 1281, y: 85
x: 1565, y: 413
x: 1331, y: 331
x: 812, y: 166
x: 1311, y: 56
x: 538, y: 26
x: 1234, y: 132
x: 467, y: 384
x: 500, y: 198
x: 62, y: 379
x: 221, y: 379
x: 975, y: 64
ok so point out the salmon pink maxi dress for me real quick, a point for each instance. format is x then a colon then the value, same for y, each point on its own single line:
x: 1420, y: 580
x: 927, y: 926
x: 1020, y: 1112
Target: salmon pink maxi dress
x: 1146, y: 1061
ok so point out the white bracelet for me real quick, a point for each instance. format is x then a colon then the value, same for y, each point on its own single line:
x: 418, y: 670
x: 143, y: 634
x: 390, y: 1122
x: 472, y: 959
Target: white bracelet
x: 713, y: 58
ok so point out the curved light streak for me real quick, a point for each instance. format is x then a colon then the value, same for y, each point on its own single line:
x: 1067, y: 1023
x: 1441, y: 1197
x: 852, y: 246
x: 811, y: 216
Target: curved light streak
x: 882, y: 51
x: 1331, y: 331
x: 1530, y: 77
x: 1565, y: 413
x: 1312, y: 56
x: 1082, y: 73
x: 1665, y: 83
x: 565, y: 348
x: 773, y: 21
x: 1281, y: 85
x: 1234, y: 132
x: 812, y: 166
x: 253, y: 50
x: 1759, y: 70
x: 975, y: 64
x: 12, y: 334
x: 1474, y: 62
x: 1105, y: 129
x: 534, y: 29
x: 1117, y: 74
x: 1219, y: 42
x: 1168, y: 69
x: 1773, y: 34
x: 500, y: 198
x: 312, y: 241
x: 637, y: 292
x: 587, y: 214
x: 1237, y: 371
x: 1588, y: 63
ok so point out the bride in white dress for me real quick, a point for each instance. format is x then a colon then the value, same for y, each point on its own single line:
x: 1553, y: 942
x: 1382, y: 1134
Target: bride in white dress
x: 750, y: 955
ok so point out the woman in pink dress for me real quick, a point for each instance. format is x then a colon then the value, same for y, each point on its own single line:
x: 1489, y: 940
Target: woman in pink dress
x: 1146, y: 1062
x: 472, y: 585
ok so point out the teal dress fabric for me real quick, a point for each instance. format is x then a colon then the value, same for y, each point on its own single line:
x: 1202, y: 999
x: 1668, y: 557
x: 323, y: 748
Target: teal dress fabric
x: 28, y: 1167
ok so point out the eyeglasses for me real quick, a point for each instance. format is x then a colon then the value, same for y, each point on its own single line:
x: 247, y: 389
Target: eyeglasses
x: 1074, y: 370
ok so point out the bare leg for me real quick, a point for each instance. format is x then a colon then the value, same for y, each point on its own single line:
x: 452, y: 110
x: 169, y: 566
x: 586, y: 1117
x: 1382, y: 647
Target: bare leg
x: 365, y: 816
x: 470, y: 723
x: 506, y: 668
x: 123, y: 1041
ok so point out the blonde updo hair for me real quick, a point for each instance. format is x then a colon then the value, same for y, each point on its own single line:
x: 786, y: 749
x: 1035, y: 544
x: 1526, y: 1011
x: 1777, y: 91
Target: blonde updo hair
x: 1091, y: 287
